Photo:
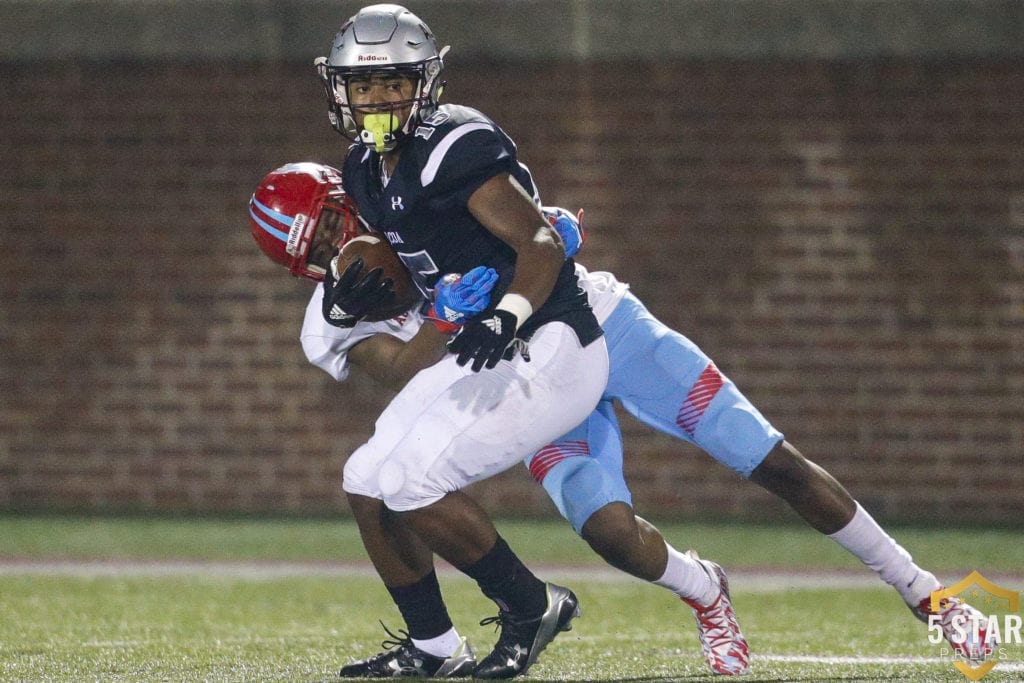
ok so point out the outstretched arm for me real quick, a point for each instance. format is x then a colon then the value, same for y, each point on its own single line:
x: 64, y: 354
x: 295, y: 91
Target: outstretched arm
x: 393, y: 362
x: 457, y: 299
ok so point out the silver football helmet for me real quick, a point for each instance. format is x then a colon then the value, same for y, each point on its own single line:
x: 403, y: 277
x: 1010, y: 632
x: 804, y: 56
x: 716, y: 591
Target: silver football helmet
x: 382, y: 39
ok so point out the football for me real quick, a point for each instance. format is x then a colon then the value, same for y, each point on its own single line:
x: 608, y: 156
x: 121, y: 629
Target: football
x: 377, y: 253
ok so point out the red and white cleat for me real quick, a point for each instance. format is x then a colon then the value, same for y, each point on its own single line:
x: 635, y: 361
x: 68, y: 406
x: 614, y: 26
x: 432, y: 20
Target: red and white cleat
x: 725, y: 648
x: 964, y: 627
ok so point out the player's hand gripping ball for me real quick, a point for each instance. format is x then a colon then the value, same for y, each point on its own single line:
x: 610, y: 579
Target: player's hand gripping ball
x: 366, y: 282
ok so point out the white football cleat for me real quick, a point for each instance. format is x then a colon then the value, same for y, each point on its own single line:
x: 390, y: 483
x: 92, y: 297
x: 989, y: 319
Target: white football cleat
x: 957, y: 620
x: 725, y: 648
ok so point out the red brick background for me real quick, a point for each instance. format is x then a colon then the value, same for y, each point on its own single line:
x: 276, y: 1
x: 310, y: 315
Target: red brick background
x: 846, y: 240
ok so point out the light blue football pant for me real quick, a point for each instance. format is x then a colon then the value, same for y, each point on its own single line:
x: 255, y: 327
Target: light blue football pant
x: 667, y: 382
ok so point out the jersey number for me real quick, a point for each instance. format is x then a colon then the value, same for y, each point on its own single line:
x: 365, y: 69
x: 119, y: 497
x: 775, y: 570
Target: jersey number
x: 421, y: 266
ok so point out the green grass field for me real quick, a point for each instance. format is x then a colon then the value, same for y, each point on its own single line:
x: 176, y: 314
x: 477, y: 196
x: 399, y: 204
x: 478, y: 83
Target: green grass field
x: 144, y: 599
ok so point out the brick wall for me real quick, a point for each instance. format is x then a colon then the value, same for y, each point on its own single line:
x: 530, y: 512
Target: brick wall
x: 845, y: 239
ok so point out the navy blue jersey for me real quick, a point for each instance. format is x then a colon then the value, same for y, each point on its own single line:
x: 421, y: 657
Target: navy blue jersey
x: 423, y: 210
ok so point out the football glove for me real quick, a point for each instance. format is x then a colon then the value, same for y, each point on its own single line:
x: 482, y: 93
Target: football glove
x: 349, y: 298
x: 569, y: 227
x: 457, y: 298
x: 485, y: 341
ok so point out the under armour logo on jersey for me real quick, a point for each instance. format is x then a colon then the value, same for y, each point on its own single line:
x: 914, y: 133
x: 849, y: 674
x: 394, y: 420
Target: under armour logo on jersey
x: 396, y: 204
x: 493, y: 324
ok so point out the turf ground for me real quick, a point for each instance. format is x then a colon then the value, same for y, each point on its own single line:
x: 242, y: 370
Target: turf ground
x: 102, y: 599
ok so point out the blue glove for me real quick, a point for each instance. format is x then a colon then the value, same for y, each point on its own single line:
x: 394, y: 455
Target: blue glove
x: 569, y: 227
x: 457, y: 298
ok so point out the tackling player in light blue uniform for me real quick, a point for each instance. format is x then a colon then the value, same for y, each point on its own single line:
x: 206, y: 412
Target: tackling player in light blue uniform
x: 666, y: 381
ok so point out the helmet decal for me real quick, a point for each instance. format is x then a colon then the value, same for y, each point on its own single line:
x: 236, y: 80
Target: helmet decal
x: 255, y: 204
x: 298, y: 227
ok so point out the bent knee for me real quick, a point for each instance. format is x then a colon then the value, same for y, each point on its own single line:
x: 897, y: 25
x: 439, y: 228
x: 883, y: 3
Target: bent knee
x: 581, y: 487
x: 784, y: 468
x: 358, y: 477
x: 612, y: 532
x: 405, y: 488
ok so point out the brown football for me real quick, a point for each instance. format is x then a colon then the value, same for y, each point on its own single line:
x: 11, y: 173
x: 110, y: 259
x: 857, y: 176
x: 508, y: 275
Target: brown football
x: 377, y: 253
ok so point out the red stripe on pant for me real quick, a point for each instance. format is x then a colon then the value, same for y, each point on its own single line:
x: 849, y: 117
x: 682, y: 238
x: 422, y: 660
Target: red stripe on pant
x: 554, y: 453
x: 704, y: 389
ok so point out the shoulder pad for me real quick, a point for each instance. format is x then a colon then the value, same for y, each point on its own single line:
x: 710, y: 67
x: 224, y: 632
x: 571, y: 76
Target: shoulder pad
x: 447, y: 117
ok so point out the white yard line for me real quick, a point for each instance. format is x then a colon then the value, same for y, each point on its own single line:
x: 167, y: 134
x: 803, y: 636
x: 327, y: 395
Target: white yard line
x: 1005, y: 667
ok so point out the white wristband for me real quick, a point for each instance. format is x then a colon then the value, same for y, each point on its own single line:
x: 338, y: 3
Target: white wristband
x: 517, y: 305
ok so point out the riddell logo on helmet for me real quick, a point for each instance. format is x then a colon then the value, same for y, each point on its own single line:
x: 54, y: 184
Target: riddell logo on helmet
x: 295, y: 234
x: 373, y: 58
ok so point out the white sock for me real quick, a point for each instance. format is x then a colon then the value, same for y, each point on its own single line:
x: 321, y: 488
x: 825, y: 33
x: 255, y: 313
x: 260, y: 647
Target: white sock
x: 876, y: 549
x: 687, y: 578
x: 443, y: 645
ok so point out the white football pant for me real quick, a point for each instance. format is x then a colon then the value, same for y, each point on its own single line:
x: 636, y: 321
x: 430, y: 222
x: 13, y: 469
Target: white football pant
x: 450, y: 426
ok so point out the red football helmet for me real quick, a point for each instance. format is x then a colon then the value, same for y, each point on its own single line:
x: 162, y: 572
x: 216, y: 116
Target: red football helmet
x: 300, y: 216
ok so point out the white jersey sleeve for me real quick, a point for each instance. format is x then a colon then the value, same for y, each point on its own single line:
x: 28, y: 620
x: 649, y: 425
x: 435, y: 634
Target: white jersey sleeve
x: 327, y: 346
x: 604, y: 291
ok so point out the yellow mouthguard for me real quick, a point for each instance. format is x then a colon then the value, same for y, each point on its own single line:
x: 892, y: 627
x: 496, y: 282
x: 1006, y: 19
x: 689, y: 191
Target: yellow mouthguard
x: 380, y: 127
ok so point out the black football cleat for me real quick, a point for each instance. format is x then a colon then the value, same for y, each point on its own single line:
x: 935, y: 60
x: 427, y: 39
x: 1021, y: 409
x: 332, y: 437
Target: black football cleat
x: 402, y: 659
x: 523, y: 639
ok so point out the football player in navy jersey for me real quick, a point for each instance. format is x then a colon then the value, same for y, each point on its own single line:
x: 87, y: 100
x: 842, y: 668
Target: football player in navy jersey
x: 582, y: 472
x: 443, y: 185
